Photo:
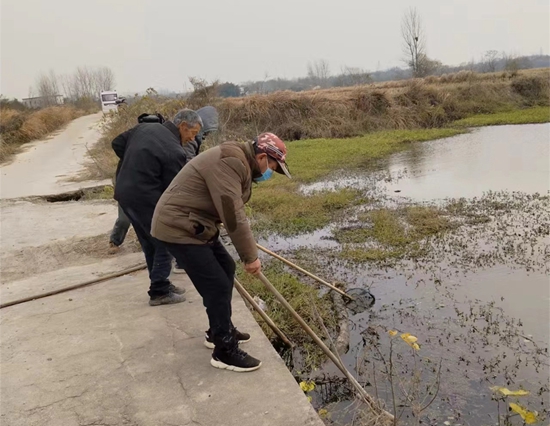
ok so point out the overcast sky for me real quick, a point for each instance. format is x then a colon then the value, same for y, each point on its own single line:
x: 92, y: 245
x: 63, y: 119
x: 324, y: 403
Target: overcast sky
x: 161, y: 43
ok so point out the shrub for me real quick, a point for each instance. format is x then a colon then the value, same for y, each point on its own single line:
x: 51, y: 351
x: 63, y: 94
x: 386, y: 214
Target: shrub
x: 534, y: 90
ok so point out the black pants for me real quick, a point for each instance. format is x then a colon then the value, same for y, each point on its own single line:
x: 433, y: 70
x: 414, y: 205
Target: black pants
x: 212, y: 271
x: 159, y: 261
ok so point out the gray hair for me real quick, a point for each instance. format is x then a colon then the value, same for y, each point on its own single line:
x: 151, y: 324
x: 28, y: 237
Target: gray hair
x: 187, y: 116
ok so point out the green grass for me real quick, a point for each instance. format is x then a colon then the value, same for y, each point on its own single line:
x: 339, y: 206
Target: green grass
x: 540, y: 114
x: 101, y: 193
x: 300, y: 296
x: 312, y: 159
x: 277, y: 205
x: 395, y: 233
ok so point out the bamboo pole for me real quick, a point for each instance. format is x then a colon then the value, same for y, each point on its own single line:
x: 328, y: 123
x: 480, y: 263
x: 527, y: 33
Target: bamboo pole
x: 74, y: 287
x: 302, y: 270
x: 366, y: 397
x: 246, y: 295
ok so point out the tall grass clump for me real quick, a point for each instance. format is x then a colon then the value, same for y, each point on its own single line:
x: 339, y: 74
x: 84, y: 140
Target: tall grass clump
x: 413, y: 104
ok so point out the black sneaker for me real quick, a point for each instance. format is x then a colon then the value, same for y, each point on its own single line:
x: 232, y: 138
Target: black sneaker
x: 241, y: 338
x: 169, y: 299
x: 177, y: 290
x: 234, y: 360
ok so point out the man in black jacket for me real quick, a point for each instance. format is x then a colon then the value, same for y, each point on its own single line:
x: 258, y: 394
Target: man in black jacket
x: 122, y: 223
x: 151, y: 155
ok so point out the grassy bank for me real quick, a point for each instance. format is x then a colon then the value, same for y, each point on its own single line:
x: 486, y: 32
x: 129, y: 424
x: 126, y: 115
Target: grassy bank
x: 277, y: 205
x: 301, y: 296
x: 540, y: 114
x: 419, y: 103
x: 20, y: 127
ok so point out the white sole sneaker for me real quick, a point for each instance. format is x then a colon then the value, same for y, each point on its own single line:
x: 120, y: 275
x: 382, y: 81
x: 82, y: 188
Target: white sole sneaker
x: 211, y: 345
x: 223, y: 366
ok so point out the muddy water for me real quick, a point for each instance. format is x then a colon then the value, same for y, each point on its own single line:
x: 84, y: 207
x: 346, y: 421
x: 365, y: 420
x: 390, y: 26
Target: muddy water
x: 487, y: 320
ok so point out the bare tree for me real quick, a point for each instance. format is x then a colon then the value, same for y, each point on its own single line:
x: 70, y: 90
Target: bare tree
x: 414, y: 42
x: 356, y: 76
x: 511, y: 62
x: 69, y: 87
x: 319, y: 72
x: 47, y: 86
x: 490, y: 60
x: 427, y: 66
x: 105, y: 79
x: 86, y: 83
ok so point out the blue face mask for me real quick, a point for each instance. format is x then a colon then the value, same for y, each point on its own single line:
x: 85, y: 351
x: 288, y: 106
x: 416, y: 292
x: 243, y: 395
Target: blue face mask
x: 265, y: 176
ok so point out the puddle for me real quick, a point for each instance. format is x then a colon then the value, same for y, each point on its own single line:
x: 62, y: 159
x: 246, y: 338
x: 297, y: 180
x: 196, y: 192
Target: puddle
x: 362, y: 181
x: 322, y: 238
x: 480, y: 301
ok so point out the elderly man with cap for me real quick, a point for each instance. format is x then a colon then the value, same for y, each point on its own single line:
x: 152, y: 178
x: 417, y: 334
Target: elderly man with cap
x: 151, y: 155
x: 213, y: 189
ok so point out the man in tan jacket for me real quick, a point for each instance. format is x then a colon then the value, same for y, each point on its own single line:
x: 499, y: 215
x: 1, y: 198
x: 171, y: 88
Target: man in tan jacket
x: 213, y: 189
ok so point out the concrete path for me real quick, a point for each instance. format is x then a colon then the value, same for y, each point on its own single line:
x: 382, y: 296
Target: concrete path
x: 66, y: 277
x: 24, y: 223
x: 44, y: 166
x: 101, y: 356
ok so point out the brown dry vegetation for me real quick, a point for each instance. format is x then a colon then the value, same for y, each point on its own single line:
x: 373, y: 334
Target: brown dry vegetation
x: 345, y: 112
x: 20, y: 127
x: 419, y: 103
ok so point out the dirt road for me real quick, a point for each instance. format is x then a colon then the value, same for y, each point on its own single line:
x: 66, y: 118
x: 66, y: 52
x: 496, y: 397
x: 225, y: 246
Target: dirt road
x: 45, y: 166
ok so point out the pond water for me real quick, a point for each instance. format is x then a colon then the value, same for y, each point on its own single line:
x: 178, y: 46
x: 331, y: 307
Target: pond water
x: 486, y: 318
x: 500, y: 158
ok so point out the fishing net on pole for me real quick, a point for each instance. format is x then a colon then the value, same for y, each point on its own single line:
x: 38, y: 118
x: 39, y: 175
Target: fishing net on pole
x: 363, y: 299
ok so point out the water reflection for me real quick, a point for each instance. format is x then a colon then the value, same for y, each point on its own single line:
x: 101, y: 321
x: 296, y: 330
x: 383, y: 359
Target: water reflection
x: 501, y: 158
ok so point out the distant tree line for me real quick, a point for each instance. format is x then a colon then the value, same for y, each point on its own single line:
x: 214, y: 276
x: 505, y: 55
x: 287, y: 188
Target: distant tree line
x: 82, y: 86
x: 415, y: 56
x: 492, y: 61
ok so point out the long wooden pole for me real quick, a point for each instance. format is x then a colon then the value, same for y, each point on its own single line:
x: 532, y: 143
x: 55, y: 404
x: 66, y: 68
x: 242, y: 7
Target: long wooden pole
x: 246, y: 295
x: 74, y: 287
x: 303, y: 271
x: 366, y: 397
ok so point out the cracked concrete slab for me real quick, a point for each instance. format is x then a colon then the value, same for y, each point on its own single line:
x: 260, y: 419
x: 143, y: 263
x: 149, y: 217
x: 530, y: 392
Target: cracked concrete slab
x: 101, y: 356
x: 23, y: 223
x: 62, y: 278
